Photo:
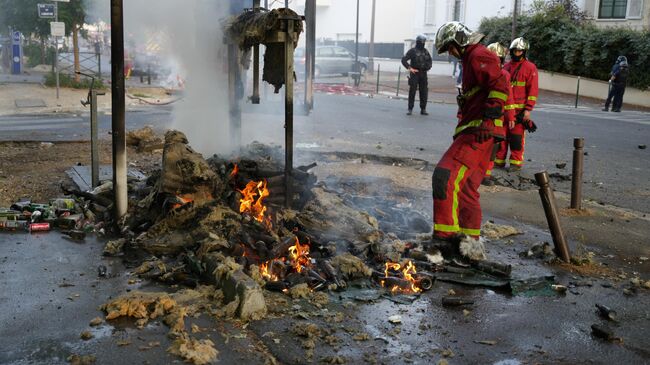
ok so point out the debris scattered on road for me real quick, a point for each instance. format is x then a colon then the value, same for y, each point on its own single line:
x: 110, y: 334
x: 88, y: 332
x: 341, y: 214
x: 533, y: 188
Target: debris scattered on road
x: 81, y: 359
x: 642, y: 147
x: 606, y: 312
x: 198, y: 352
x: 455, y: 301
x: 96, y: 321
x: 396, y: 319
x: 86, y: 335
x: 487, y: 342
x: 604, y: 332
x: 495, y: 231
x: 560, y: 165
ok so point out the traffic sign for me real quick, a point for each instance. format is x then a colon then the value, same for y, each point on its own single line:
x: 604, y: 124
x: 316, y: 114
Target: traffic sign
x: 46, y: 10
x: 57, y: 29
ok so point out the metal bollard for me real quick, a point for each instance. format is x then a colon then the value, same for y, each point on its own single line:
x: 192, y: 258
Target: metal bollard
x: 94, y: 139
x: 576, y: 180
x: 552, y: 216
x: 577, y: 91
x: 399, y: 74
x: 378, y: 70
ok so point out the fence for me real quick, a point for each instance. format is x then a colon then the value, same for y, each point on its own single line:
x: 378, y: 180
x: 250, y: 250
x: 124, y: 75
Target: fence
x: 89, y: 62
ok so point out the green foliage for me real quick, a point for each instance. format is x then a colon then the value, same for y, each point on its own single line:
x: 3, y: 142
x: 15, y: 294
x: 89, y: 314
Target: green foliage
x: 66, y: 80
x: 22, y: 15
x: 561, y: 43
x: 33, y: 53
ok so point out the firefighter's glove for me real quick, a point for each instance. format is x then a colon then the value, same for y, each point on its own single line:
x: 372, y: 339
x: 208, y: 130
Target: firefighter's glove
x: 484, y: 131
x: 529, y: 125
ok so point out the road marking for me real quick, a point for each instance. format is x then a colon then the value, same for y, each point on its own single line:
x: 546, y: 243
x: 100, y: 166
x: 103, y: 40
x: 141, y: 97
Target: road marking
x: 627, y: 117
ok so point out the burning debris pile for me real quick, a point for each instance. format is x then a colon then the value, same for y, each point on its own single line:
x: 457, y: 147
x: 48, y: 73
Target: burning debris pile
x: 224, y: 222
x: 251, y: 28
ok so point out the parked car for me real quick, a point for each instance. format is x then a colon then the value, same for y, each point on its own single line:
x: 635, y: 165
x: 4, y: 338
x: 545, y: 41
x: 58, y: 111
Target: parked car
x: 330, y: 60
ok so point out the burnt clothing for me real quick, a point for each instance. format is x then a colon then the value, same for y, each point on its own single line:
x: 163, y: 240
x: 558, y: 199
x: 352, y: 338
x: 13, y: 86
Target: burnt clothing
x: 417, y: 58
x: 418, y: 80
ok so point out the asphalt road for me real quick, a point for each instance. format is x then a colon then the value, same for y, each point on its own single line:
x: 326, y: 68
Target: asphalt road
x: 615, y: 167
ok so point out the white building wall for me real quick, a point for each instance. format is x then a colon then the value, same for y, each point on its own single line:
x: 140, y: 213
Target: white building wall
x: 399, y: 20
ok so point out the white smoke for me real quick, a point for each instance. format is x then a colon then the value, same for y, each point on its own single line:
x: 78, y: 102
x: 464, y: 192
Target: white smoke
x: 189, y: 37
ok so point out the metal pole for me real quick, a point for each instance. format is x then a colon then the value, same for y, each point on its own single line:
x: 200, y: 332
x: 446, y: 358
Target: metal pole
x: 118, y: 109
x: 255, y: 99
x: 357, y: 69
x: 56, y: 49
x: 514, y: 20
x: 552, y: 216
x: 233, y: 84
x: 94, y: 148
x: 371, y: 46
x: 99, y: 65
x: 576, y: 181
x: 577, y: 91
x: 378, y: 71
x: 148, y: 74
x: 310, y: 50
x: 399, y: 75
x: 288, y: 113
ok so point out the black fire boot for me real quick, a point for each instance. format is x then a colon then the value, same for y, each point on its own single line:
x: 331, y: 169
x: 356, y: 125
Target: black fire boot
x: 409, y: 112
x: 423, y: 112
x: 605, y: 109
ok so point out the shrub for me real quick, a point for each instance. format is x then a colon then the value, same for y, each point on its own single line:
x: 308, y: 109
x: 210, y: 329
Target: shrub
x: 562, y: 44
x: 33, y: 53
x: 66, y: 80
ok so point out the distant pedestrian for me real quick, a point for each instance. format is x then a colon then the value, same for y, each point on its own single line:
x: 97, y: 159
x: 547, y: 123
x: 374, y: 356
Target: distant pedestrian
x: 617, y: 82
x: 418, y: 61
x: 453, y: 60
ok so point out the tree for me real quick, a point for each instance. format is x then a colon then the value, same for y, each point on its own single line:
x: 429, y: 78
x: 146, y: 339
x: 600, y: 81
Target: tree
x: 73, y: 14
x: 22, y: 15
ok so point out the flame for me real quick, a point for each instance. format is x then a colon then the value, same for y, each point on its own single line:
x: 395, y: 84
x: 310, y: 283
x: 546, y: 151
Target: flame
x: 299, y: 255
x: 235, y: 171
x: 266, y: 273
x: 408, y: 270
x: 182, y: 200
x: 252, y: 201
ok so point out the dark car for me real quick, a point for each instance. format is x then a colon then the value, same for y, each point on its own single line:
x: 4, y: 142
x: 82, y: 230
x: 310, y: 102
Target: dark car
x: 330, y: 60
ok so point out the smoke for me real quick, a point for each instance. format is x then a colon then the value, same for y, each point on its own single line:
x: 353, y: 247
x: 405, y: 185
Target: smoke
x: 188, y: 37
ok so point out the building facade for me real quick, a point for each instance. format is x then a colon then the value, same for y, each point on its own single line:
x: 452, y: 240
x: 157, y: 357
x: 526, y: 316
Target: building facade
x: 633, y: 14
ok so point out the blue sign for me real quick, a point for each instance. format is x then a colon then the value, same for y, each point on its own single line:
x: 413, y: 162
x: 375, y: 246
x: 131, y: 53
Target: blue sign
x: 45, y: 10
x: 16, y: 53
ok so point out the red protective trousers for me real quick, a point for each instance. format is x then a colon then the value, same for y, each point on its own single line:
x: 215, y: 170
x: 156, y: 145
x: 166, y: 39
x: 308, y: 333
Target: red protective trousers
x: 456, y: 180
x: 516, y: 142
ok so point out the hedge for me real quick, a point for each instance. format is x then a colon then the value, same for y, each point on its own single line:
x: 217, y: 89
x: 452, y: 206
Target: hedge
x: 559, y: 44
x: 66, y: 80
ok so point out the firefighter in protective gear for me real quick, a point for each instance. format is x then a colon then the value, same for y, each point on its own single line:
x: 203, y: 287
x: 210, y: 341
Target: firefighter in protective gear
x: 508, y: 115
x: 523, y: 79
x: 418, y: 61
x: 458, y: 174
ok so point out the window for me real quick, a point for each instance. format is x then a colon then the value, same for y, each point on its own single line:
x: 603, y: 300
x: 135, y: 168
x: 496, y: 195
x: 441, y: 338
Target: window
x: 341, y: 52
x: 612, y: 9
x: 429, y: 14
x: 324, y: 52
x: 635, y: 9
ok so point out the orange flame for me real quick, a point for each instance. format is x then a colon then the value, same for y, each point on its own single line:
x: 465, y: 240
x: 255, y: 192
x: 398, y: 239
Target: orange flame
x: 235, y: 171
x: 408, y: 271
x: 252, y: 201
x: 267, y: 273
x: 299, y: 255
x: 183, y: 199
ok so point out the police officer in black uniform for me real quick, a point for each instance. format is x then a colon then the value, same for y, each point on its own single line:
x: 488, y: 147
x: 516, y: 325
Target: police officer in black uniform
x: 418, y: 61
x: 618, y: 81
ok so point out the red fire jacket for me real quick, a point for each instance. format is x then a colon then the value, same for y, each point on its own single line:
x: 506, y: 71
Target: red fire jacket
x: 508, y: 112
x: 485, y: 91
x: 523, y: 78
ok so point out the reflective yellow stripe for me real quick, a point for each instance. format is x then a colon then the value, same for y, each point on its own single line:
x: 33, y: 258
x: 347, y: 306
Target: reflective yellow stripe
x: 498, y: 123
x: 518, y: 83
x: 509, y: 107
x: 498, y: 161
x: 518, y: 106
x: 445, y: 228
x: 515, y: 162
x: 472, y: 91
x: 470, y: 231
x: 454, y: 204
x: 488, y: 173
x: 473, y: 123
x: 497, y: 95
x: 532, y: 98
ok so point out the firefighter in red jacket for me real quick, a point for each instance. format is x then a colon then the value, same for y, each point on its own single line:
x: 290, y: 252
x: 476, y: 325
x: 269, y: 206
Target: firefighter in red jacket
x: 458, y: 175
x: 523, y: 78
x: 508, y: 114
